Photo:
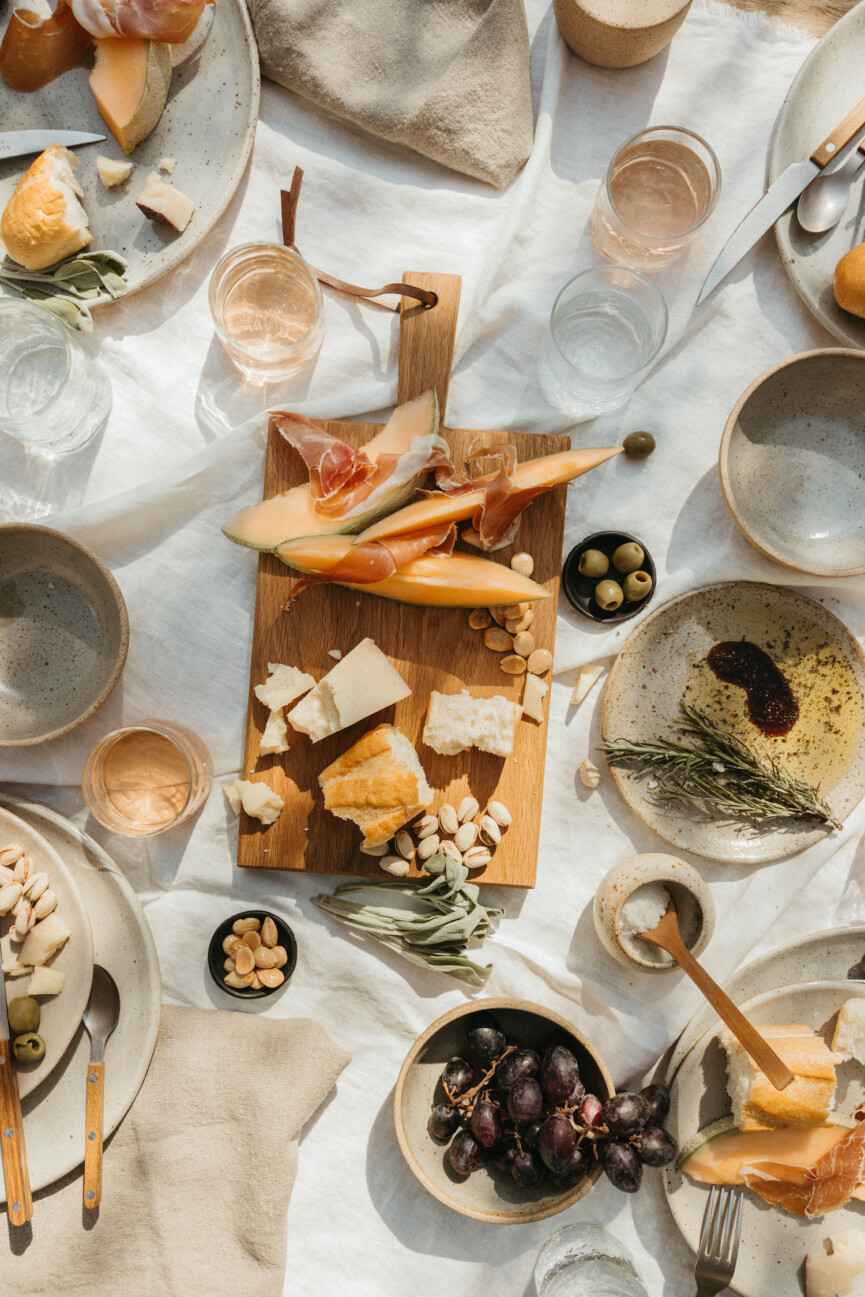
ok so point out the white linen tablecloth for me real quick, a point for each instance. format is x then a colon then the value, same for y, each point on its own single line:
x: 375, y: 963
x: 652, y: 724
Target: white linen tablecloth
x: 184, y: 449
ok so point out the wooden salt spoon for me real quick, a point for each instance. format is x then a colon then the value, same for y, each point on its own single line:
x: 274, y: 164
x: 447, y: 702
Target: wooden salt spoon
x: 666, y: 935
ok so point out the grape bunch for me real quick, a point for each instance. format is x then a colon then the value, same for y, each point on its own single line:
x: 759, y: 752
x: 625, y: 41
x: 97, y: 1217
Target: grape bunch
x: 530, y: 1115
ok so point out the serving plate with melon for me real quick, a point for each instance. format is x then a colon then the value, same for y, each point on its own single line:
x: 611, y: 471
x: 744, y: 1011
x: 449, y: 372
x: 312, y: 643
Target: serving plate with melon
x: 798, y: 1131
x: 192, y: 105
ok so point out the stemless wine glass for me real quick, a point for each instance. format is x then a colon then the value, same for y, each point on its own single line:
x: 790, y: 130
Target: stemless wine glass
x: 586, y: 1261
x: 661, y: 186
x: 268, y: 310
x: 53, y: 397
x: 606, y: 327
x: 146, y: 778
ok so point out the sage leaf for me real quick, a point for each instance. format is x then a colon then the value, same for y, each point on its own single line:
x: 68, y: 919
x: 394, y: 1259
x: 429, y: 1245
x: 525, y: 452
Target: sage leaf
x: 67, y: 310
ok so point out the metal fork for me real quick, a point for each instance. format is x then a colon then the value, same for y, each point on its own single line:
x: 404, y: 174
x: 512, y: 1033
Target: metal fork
x: 719, y: 1241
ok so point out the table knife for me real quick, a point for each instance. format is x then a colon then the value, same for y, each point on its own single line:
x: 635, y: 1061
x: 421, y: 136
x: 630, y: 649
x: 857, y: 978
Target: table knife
x: 19, y: 1203
x: 15, y: 144
x: 780, y: 195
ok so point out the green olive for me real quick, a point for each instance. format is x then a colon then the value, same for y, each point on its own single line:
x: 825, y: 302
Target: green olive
x: 637, y: 445
x: 608, y: 595
x: 24, y: 1014
x: 29, y: 1048
x: 627, y: 558
x: 636, y: 585
x: 593, y: 563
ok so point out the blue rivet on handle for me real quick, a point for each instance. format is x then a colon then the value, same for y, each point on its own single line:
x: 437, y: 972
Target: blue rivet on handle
x: 91, y: 1134
x: 93, y: 1077
x: 8, y: 1132
x: 90, y: 1195
x: 16, y: 1206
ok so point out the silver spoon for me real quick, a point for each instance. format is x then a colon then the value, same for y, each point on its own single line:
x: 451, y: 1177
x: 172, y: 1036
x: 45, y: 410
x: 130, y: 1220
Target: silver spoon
x: 100, y: 1019
x: 824, y: 201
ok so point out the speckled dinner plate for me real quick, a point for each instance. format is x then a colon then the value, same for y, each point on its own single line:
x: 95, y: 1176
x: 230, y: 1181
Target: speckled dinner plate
x: 208, y: 127
x: 664, y: 661
x: 774, y: 1242
x: 828, y: 84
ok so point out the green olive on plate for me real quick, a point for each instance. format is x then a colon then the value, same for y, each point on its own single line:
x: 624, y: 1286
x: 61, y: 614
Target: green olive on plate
x: 638, y: 445
x: 593, y: 564
x: 29, y: 1048
x: 627, y: 558
x: 24, y: 1014
x: 608, y: 595
x: 636, y: 585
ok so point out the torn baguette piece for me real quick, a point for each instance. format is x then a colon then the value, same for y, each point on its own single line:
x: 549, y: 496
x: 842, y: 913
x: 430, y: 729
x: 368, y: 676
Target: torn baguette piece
x: 44, y: 220
x: 807, y: 1101
x: 161, y: 202
x: 379, y: 784
x: 456, y: 722
x: 849, y: 1037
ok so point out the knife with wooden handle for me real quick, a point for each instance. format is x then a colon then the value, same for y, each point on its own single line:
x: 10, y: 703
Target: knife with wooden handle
x: 19, y: 1202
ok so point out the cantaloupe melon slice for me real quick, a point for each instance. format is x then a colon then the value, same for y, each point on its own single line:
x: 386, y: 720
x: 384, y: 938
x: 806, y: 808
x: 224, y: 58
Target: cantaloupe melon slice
x: 789, y: 1150
x: 292, y: 514
x: 130, y: 83
x: 434, y: 581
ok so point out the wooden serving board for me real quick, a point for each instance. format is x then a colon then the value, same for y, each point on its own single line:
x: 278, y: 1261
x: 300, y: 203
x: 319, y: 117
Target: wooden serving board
x: 432, y: 648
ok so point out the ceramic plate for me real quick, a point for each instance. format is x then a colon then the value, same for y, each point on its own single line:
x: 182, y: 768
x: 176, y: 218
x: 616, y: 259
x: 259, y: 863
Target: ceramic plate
x: 827, y: 86
x: 208, y: 127
x: 664, y: 662
x: 60, y: 1013
x: 774, y: 1242
x: 123, y: 943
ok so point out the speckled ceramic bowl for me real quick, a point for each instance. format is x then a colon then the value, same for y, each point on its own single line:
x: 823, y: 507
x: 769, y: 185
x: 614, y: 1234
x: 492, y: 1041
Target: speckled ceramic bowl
x: 792, y: 463
x: 690, y: 891
x: 64, y: 634
x: 489, y: 1194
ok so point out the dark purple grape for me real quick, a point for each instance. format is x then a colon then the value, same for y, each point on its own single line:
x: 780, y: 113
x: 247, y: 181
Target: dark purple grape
x: 658, y: 1099
x: 527, y: 1170
x: 488, y: 1043
x: 655, y: 1147
x: 556, y: 1143
x: 624, y: 1169
x: 443, y: 1122
x: 591, y: 1112
x: 577, y: 1168
x: 529, y: 1135
x: 506, y: 1155
x: 486, y: 1124
x: 575, y: 1098
x: 465, y: 1153
x: 525, y: 1100
x: 559, y: 1074
x: 457, y: 1076
x: 625, y: 1113
x: 517, y: 1066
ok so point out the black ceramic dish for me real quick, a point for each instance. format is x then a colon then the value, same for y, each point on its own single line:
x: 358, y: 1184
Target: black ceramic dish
x: 579, y: 590
x: 216, y: 955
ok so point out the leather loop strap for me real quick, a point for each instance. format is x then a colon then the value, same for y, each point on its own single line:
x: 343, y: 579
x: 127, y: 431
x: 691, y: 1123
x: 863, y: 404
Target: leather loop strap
x: 289, y: 199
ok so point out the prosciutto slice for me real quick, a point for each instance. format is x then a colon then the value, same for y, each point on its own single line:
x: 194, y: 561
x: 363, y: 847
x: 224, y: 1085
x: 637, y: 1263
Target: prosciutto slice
x: 39, y: 45
x: 376, y: 560
x: 824, y: 1187
x: 170, y: 21
x: 495, y: 522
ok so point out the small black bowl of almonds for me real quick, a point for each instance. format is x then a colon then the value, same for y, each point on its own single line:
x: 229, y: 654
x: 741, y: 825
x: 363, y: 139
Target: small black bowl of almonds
x: 252, y: 954
x: 609, y: 576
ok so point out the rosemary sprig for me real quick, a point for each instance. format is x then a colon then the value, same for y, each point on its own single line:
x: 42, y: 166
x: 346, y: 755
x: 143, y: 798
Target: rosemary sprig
x: 720, y: 771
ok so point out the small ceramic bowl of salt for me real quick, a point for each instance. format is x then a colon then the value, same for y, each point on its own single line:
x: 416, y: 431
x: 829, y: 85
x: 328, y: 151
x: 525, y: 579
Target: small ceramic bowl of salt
x: 634, y: 895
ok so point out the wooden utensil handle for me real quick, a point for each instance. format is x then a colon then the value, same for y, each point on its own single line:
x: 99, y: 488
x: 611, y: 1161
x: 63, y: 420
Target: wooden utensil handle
x: 19, y: 1203
x: 747, y: 1035
x: 426, y: 338
x: 93, y: 1135
x: 853, y: 122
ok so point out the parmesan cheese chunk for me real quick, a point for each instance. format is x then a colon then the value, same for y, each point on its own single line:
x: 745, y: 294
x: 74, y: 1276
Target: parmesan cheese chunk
x: 257, y: 799
x: 46, y: 981
x: 456, y: 722
x: 361, y: 683
x: 849, y: 1038
x: 833, y: 1276
x: 535, y: 691
x: 585, y: 682
x: 275, y: 736
x: 112, y: 173
x: 163, y: 203
x: 283, y: 686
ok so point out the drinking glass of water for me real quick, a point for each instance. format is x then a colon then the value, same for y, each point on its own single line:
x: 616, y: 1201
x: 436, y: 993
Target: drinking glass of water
x: 586, y: 1261
x: 660, y: 187
x: 607, y: 326
x: 53, y: 397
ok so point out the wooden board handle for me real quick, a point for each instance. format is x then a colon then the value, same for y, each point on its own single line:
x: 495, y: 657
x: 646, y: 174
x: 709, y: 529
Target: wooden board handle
x: 93, y: 1135
x: 19, y: 1203
x: 833, y: 143
x: 426, y: 338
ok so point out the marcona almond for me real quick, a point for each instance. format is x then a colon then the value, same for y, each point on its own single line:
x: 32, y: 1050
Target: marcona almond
x: 515, y: 624
x: 281, y: 956
x: 395, y: 865
x: 523, y: 563
x: 426, y: 826
x: 381, y: 850
x: 244, y: 960
x: 497, y: 639
x: 516, y: 609
x: 269, y: 934
x: 540, y: 662
x: 467, y: 809
x: 513, y: 665
x: 404, y: 844
x: 590, y: 775
x: 265, y: 958
x: 490, y: 831
x: 524, y: 643
x: 228, y: 965
x: 448, y: 818
x: 454, y: 852
x: 479, y: 618
x: 251, y: 939
x: 428, y: 847
x: 255, y: 984
x: 245, y: 925
x: 500, y: 813
x: 237, y: 981
x: 465, y: 836
x: 271, y: 978
x: 476, y: 857
x: 498, y: 616
x: 230, y: 942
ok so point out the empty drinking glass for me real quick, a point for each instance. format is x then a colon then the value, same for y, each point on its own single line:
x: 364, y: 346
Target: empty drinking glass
x: 586, y: 1261
x: 53, y: 397
x: 606, y: 327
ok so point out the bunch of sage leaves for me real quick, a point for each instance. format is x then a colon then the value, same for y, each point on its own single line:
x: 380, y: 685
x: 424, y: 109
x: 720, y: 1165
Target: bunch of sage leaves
x: 61, y: 289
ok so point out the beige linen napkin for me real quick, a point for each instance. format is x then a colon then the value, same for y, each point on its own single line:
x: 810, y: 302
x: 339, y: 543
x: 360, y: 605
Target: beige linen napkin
x: 196, y: 1179
x: 449, y: 79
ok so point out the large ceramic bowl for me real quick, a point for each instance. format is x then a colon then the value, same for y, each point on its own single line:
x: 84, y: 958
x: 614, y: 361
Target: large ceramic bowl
x: 488, y: 1195
x: 64, y: 633
x: 792, y: 462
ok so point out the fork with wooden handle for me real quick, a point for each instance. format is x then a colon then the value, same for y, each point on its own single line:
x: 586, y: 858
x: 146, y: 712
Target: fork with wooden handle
x: 666, y: 935
x: 19, y: 1202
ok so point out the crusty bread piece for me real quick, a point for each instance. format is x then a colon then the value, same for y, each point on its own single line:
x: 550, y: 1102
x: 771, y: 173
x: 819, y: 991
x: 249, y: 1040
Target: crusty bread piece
x: 850, y: 281
x: 455, y: 722
x: 45, y: 220
x: 378, y: 783
x: 807, y: 1101
x: 849, y: 1037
